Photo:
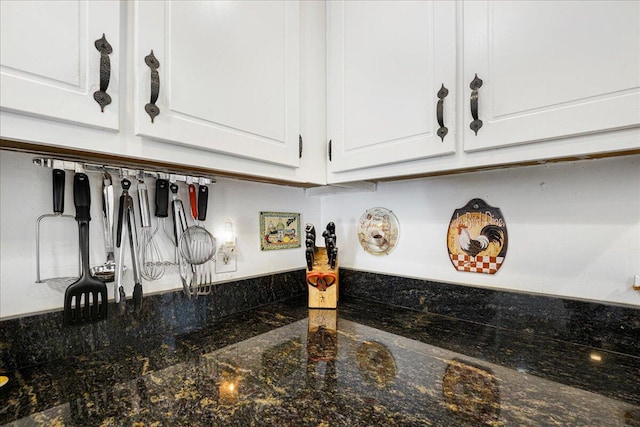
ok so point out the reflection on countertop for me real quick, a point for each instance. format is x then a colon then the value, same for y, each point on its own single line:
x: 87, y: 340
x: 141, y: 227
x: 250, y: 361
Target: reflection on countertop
x: 365, y: 364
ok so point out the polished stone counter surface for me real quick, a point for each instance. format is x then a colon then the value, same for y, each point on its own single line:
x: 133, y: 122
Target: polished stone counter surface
x: 365, y: 364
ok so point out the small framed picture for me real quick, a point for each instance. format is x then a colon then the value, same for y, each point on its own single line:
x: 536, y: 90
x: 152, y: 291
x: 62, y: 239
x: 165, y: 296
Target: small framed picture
x: 279, y: 230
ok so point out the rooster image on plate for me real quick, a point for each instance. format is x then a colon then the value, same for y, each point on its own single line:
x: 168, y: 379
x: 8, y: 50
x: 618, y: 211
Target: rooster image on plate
x: 477, y: 238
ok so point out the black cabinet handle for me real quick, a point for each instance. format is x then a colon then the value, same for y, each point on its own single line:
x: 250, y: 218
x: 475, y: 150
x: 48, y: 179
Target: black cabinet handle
x: 101, y: 96
x: 442, y: 130
x: 151, y: 108
x: 476, y: 84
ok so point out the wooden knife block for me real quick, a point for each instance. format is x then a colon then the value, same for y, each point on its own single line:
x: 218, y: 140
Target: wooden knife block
x: 327, y: 298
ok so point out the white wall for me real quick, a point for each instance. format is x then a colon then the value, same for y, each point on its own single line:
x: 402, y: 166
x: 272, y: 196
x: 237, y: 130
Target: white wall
x: 25, y: 194
x: 574, y: 228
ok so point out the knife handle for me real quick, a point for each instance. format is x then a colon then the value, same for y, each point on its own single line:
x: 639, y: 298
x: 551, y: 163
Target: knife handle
x: 331, y: 244
x: 309, y: 257
x: 310, y: 243
x: 333, y: 258
x: 310, y: 229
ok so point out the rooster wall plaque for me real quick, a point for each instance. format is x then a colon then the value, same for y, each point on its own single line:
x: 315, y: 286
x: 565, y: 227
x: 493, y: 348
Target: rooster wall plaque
x: 477, y: 238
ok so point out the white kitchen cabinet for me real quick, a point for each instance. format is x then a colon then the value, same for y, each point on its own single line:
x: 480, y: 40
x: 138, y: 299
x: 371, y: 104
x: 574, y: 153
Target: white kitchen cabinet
x: 229, y: 76
x: 387, y: 61
x: 550, y: 70
x: 558, y: 80
x: 239, y: 81
x: 49, y: 64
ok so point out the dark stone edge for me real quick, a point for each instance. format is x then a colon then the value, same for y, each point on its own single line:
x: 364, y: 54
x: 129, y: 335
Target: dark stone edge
x: 607, y: 327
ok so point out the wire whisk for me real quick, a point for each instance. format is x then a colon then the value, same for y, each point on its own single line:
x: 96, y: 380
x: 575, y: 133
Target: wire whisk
x: 152, y: 267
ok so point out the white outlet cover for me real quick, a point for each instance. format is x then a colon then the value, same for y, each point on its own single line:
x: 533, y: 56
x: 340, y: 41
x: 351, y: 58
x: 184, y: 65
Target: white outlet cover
x: 230, y: 266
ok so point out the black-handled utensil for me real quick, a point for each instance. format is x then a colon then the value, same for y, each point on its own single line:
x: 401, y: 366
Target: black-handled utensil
x: 58, y: 181
x: 161, y: 213
x: 162, y: 198
x: 58, y: 191
x: 82, y: 197
x: 197, y: 245
x: 203, y: 202
x: 85, y: 300
x: 126, y: 217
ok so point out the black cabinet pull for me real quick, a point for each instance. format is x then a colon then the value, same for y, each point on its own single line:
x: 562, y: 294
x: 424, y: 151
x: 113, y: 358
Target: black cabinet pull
x: 442, y: 130
x: 101, y: 96
x: 299, y: 146
x: 151, y: 108
x: 476, y: 84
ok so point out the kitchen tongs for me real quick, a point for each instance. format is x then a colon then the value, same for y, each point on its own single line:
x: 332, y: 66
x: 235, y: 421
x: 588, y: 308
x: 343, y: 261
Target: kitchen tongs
x: 126, y: 214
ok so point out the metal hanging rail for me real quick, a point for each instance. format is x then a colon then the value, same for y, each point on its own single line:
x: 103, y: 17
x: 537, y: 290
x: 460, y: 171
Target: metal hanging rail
x: 120, y: 171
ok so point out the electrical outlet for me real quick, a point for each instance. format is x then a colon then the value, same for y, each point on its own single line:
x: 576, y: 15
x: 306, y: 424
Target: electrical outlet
x: 636, y: 282
x: 226, y: 259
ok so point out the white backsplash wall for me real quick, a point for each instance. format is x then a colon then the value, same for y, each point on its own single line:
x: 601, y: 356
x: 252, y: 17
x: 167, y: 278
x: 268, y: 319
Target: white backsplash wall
x: 26, y: 193
x: 574, y: 228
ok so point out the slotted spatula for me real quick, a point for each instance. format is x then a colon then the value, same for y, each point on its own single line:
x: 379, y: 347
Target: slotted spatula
x: 85, y: 300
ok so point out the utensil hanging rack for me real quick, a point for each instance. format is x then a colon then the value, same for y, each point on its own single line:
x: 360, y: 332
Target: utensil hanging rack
x: 121, y: 171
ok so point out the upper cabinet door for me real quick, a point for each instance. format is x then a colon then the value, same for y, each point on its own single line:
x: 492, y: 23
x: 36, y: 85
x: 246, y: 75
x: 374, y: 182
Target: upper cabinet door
x: 550, y: 69
x: 387, y: 61
x: 227, y: 76
x: 50, y: 66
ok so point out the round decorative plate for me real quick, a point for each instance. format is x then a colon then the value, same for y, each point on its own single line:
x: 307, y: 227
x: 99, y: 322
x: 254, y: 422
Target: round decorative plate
x: 378, y: 231
x: 477, y: 238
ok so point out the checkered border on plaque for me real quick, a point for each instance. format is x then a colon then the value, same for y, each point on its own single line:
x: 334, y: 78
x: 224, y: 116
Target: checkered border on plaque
x: 477, y: 264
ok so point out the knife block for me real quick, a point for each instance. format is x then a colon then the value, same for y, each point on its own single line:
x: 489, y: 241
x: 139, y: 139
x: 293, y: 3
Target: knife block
x: 322, y: 296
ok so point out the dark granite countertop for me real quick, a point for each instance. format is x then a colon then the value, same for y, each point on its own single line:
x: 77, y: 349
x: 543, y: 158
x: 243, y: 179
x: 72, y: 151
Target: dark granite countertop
x: 284, y: 365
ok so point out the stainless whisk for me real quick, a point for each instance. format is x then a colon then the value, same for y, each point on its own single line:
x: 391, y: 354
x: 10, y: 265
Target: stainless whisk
x: 152, y: 267
x: 164, y: 238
